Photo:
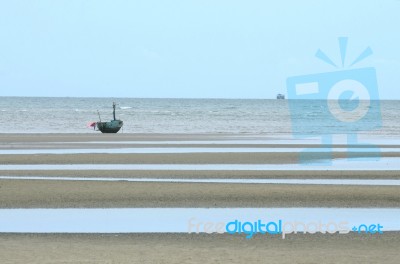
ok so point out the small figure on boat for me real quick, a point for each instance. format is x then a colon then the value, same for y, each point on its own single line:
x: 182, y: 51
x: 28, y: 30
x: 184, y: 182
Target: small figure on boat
x: 112, y: 126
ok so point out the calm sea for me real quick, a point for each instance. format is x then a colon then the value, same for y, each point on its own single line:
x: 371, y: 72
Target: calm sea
x: 269, y: 117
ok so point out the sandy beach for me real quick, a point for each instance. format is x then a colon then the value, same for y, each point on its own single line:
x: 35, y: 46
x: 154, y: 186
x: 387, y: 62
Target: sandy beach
x: 60, y: 194
x: 178, y: 248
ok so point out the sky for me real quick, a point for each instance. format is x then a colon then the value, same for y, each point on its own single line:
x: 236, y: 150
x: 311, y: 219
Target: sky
x: 189, y: 49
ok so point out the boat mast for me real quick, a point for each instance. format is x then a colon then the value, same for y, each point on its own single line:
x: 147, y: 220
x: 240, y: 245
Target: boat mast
x: 99, y: 115
x: 114, y: 110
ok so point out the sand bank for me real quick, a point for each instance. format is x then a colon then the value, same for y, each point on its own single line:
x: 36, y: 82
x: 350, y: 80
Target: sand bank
x: 60, y: 194
x: 184, y: 248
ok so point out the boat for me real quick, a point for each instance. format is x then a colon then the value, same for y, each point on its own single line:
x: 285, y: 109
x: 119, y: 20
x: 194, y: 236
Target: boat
x: 112, y: 126
x: 280, y: 96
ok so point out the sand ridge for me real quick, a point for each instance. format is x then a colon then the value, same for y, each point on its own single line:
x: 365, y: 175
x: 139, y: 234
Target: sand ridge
x: 185, y: 248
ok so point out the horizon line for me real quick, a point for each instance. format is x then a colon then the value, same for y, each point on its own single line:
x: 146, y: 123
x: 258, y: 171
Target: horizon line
x: 188, y: 98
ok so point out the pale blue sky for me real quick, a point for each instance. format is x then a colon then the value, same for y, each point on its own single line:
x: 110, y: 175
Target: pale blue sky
x: 197, y: 49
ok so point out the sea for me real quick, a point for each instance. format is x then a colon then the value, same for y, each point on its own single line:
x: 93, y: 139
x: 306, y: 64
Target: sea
x: 214, y: 116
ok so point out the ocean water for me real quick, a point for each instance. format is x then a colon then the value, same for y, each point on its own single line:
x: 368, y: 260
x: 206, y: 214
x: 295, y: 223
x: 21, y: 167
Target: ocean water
x: 237, y: 116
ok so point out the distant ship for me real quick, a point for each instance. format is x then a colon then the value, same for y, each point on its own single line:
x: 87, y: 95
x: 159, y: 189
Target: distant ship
x: 280, y: 96
x: 112, y: 126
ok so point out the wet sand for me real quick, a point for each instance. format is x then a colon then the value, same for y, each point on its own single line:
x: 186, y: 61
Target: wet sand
x: 55, y: 140
x: 168, y: 158
x: 182, y: 248
x: 78, y: 194
x: 192, y: 174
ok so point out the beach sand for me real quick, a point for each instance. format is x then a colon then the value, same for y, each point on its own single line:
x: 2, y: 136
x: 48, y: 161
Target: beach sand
x: 78, y: 194
x: 185, y: 248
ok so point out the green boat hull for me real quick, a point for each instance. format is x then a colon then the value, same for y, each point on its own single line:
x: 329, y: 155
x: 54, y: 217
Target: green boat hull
x: 110, y: 127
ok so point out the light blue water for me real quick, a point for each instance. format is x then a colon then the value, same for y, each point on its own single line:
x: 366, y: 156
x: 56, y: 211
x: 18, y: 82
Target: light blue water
x: 355, y: 164
x: 184, y: 150
x: 181, y: 220
x: 270, y: 117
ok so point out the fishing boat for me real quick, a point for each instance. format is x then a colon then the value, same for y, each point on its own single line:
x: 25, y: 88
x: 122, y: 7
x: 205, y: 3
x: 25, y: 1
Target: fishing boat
x: 112, y: 126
